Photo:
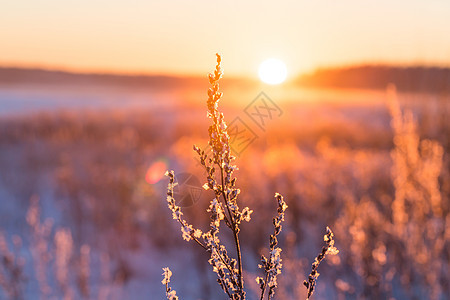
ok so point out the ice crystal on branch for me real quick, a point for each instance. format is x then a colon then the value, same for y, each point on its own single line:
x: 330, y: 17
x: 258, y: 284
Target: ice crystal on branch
x: 188, y: 232
x: 170, y: 293
x: 272, y: 266
x: 330, y: 249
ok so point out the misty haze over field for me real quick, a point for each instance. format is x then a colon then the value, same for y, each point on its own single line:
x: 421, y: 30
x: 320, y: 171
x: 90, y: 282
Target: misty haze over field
x: 88, y: 151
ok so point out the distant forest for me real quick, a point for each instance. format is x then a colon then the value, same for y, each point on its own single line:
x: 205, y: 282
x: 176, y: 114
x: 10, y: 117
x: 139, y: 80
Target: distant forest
x: 414, y: 79
x: 15, y: 76
x: 54, y: 77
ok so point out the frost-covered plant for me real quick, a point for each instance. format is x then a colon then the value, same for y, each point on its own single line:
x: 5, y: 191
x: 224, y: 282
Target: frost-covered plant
x: 60, y: 255
x: 40, y: 249
x: 219, y: 167
x: 328, y: 248
x: 272, y: 266
x: 419, y: 212
x: 170, y: 293
x: 12, y: 277
x: 63, y: 253
x: 84, y: 270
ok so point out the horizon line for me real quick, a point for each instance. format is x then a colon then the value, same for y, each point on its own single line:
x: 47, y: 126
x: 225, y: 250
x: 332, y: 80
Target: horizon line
x: 142, y: 73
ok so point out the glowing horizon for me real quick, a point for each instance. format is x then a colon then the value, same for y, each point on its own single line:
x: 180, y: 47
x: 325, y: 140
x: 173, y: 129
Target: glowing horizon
x: 181, y: 38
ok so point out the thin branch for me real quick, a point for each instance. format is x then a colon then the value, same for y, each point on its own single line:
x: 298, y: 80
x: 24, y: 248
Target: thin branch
x: 235, y: 232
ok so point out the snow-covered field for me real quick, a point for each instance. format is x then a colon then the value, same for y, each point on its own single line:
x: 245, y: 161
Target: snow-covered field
x: 81, y: 157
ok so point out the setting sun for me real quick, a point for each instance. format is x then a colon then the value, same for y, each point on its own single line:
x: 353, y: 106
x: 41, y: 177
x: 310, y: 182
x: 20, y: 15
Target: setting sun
x: 272, y: 71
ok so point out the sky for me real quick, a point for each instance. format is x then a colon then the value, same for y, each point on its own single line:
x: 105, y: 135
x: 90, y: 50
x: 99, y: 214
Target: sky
x: 176, y: 37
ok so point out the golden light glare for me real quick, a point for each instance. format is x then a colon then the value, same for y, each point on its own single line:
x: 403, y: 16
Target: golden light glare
x: 272, y: 71
x: 156, y: 171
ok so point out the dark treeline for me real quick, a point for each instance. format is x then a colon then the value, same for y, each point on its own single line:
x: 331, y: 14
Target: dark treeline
x: 413, y: 79
x: 41, y: 76
x: 11, y: 76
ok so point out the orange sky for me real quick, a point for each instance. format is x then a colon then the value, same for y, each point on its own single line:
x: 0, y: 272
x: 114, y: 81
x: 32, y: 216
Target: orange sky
x: 181, y: 37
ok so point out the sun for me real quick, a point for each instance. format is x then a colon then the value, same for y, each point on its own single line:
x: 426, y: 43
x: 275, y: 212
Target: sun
x: 272, y: 71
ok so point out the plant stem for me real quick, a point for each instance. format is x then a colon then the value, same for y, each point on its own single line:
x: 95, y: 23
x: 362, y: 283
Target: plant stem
x: 265, y: 285
x: 238, y: 250
x: 235, y: 232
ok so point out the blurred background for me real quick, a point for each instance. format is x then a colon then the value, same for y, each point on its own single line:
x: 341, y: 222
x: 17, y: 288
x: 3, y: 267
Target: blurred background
x: 99, y: 98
